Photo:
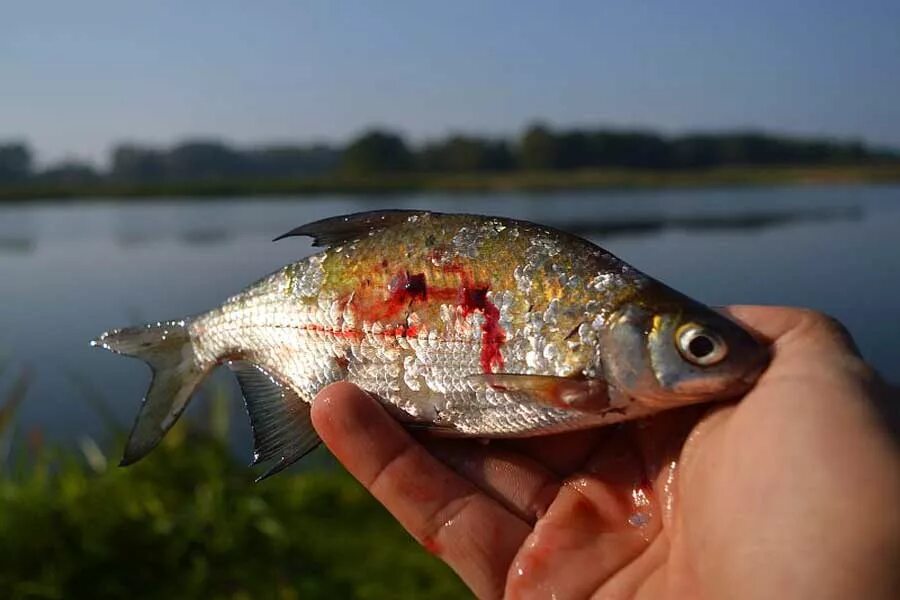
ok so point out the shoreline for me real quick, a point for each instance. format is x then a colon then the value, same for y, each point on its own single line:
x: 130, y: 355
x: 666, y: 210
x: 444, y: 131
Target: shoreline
x: 481, y: 182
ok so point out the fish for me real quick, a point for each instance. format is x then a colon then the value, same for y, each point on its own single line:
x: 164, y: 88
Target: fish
x: 460, y: 325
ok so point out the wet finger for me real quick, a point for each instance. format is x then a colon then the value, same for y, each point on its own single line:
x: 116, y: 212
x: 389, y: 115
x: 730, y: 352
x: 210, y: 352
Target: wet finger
x: 805, y: 343
x: 450, y: 516
x: 602, y: 519
x: 561, y: 453
x: 777, y: 323
x: 520, y: 483
x: 769, y: 322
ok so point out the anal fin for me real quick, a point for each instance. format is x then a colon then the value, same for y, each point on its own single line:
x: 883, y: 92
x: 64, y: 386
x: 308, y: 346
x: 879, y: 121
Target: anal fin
x: 282, y: 430
x: 583, y: 394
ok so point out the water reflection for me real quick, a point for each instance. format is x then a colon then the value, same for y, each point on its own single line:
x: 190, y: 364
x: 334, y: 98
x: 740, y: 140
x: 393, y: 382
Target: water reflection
x: 130, y: 233
x: 13, y: 245
x: 189, y: 237
x: 710, y: 223
x: 130, y: 239
x: 203, y: 237
x: 18, y: 231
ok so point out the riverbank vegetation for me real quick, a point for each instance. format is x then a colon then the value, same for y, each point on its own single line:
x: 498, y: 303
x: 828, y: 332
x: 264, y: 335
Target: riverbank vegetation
x: 520, y: 181
x: 383, y: 161
x: 188, y: 522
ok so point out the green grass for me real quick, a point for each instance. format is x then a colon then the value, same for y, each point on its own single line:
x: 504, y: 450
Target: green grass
x: 189, y: 522
x: 588, y: 179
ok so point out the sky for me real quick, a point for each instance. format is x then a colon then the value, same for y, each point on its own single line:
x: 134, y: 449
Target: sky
x: 77, y: 77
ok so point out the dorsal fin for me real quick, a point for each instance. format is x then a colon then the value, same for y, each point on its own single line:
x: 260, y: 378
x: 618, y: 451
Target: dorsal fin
x: 335, y: 231
x: 282, y: 430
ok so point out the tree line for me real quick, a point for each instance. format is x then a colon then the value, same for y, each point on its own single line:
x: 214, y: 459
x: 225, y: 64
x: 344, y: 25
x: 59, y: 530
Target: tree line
x: 540, y: 147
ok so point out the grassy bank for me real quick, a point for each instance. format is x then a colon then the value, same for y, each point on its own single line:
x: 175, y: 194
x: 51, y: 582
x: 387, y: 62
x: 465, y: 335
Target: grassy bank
x: 472, y: 182
x: 188, y: 522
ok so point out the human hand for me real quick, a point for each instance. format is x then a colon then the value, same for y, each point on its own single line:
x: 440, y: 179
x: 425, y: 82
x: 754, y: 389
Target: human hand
x: 790, y: 493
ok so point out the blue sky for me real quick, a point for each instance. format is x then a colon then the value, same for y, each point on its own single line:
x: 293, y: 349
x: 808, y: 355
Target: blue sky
x: 77, y: 76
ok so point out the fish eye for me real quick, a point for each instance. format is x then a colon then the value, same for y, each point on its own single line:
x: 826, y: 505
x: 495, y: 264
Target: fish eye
x: 700, y: 345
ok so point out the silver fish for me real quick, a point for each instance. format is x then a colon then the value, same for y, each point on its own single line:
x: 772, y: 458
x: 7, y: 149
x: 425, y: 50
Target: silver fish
x: 460, y: 324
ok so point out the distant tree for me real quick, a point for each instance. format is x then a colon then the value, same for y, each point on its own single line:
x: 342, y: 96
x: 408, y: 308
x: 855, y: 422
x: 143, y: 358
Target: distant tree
x: 204, y: 159
x: 500, y: 156
x: 761, y: 149
x: 70, y: 172
x: 380, y: 151
x: 457, y: 153
x: 700, y: 151
x: 461, y: 153
x: 132, y: 163
x: 640, y: 149
x: 856, y: 151
x: 574, y: 150
x: 377, y: 152
x: 292, y: 161
x: 15, y: 162
x: 538, y: 148
x: 431, y: 157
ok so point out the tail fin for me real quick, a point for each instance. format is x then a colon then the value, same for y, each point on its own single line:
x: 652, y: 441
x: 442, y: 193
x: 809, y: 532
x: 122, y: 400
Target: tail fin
x: 177, y: 372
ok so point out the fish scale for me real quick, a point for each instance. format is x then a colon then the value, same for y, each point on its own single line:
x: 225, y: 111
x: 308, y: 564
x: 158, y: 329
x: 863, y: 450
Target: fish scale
x: 307, y: 358
x: 464, y: 325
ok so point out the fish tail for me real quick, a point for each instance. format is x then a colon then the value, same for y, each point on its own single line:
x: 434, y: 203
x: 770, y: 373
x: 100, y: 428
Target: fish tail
x: 177, y: 371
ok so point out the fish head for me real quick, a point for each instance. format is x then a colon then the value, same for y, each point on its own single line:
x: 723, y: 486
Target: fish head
x: 679, y: 352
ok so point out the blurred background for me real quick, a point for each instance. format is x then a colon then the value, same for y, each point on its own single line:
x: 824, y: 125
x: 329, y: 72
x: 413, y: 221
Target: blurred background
x: 742, y: 153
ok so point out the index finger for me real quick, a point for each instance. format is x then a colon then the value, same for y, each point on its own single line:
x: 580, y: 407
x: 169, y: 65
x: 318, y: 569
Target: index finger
x: 776, y: 323
x: 474, y: 534
x: 770, y: 322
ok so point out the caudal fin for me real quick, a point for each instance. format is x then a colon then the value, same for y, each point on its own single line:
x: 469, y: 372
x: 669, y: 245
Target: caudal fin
x: 177, y: 372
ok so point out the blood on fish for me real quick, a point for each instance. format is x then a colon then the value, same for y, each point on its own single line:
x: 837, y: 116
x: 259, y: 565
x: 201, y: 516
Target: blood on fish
x: 349, y: 334
x: 415, y: 286
x: 471, y: 298
x: 474, y: 299
x: 492, y: 336
x: 405, y: 288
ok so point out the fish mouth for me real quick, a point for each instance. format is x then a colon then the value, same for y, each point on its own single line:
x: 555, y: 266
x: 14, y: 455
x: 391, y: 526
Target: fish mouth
x: 762, y: 356
x: 750, y: 378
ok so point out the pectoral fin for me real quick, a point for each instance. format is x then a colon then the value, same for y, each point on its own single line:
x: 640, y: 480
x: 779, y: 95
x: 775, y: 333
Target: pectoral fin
x: 587, y: 395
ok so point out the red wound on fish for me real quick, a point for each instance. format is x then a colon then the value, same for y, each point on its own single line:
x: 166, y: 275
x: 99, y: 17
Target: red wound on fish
x: 404, y: 288
x: 492, y: 336
x: 415, y: 286
x: 474, y: 299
